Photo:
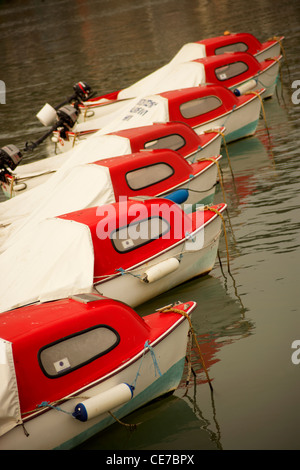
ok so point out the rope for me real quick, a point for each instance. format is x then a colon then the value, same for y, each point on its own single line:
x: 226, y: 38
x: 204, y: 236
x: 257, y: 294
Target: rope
x: 262, y: 107
x: 182, y: 312
x: 219, y: 171
x: 213, y: 209
x: 225, y: 145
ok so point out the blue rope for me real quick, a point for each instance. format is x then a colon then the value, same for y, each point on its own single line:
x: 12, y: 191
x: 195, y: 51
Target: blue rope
x: 147, y: 344
x: 47, y: 404
x: 122, y: 271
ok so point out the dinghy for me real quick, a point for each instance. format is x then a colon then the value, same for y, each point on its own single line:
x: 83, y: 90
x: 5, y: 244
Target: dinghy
x: 130, y: 251
x: 92, y: 361
x: 205, y: 107
x: 220, y: 45
x: 172, y: 135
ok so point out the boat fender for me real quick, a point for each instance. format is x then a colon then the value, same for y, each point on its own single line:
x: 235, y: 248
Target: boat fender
x: 179, y: 196
x: 245, y: 87
x: 160, y: 270
x: 47, y: 115
x: 103, y: 402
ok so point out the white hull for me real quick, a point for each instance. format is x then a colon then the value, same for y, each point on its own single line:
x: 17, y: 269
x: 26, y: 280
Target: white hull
x: 269, y: 53
x: 56, y: 429
x: 266, y: 79
x: 129, y: 288
x: 33, y: 174
x: 239, y: 123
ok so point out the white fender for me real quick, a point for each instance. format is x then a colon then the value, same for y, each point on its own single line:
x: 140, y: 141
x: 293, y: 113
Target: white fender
x: 160, y: 270
x: 245, y: 87
x: 105, y: 401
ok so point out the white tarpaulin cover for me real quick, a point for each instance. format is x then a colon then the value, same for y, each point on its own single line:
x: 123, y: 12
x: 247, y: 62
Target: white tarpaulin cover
x: 53, y: 260
x: 67, y: 189
x: 140, y: 112
x: 182, y: 75
x: 10, y: 414
x: 148, y: 84
x: 83, y: 186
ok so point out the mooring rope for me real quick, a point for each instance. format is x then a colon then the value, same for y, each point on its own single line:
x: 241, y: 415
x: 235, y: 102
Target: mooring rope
x: 221, y: 133
x: 186, y: 315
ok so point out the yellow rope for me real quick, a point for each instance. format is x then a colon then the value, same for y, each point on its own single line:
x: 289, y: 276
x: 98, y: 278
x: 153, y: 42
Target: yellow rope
x: 256, y: 93
x: 182, y: 312
x: 225, y: 145
x: 213, y: 209
x: 219, y: 171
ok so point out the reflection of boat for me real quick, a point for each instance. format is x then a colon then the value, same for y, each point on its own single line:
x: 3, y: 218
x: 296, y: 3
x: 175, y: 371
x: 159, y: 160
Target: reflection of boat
x: 161, y: 428
x: 98, y: 357
x: 203, y: 108
x: 129, y: 251
x: 173, y: 135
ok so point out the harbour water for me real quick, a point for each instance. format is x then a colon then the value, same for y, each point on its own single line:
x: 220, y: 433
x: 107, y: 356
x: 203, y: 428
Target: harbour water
x: 247, y: 318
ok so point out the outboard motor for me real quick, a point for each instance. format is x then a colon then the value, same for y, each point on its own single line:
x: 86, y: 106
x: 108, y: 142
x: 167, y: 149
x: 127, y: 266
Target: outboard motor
x: 10, y: 157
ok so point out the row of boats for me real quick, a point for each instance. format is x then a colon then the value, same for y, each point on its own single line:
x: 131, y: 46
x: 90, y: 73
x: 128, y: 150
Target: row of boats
x: 124, y: 212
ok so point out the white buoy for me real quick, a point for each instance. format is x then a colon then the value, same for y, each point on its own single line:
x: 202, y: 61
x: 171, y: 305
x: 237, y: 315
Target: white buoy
x: 245, y: 87
x: 47, y: 115
x: 160, y: 270
x: 103, y: 402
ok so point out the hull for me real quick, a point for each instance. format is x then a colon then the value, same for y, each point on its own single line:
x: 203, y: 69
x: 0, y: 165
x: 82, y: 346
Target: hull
x: 57, y: 429
x: 129, y: 288
x: 266, y: 79
x: 269, y: 52
x: 201, y: 188
x: 239, y: 123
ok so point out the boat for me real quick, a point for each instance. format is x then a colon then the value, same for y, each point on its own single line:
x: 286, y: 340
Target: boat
x: 241, y: 72
x: 172, y: 135
x: 205, y: 107
x: 150, y: 173
x: 92, y: 361
x: 237, y: 42
x: 131, y: 250
x: 230, y: 42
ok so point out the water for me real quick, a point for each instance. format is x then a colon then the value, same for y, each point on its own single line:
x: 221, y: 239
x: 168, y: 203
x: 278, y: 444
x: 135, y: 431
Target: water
x: 247, y: 319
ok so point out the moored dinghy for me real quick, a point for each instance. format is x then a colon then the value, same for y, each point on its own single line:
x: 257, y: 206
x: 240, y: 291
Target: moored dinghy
x: 87, y: 356
x: 111, y: 248
x: 172, y: 135
x: 230, y: 42
x: 205, y: 107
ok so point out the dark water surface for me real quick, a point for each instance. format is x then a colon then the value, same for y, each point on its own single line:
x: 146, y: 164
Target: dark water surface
x: 246, y: 322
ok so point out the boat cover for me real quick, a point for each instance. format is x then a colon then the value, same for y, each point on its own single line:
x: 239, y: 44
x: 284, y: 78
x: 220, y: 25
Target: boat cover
x: 139, y: 112
x: 10, y: 414
x: 182, y: 75
x: 188, y: 52
x: 53, y: 260
x: 74, y: 186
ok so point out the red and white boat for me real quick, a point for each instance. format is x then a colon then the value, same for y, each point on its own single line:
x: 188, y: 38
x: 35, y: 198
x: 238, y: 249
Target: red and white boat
x: 130, y: 251
x: 71, y: 367
x: 151, y: 173
x: 203, y: 108
x: 237, y: 42
x: 172, y: 135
